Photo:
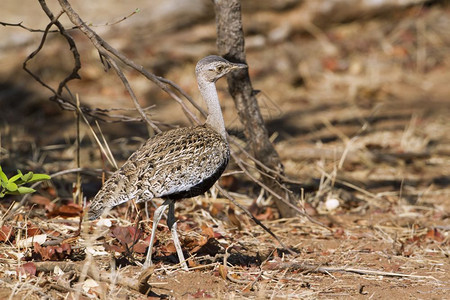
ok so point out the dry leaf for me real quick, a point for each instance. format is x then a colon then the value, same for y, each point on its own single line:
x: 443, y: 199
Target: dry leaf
x: 66, y: 211
x: 267, y: 215
x: 28, y: 268
x: 32, y: 231
x: 208, y: 231
x: 191, y: 263
x: 141, y: 246
x: 41, y: 200
x: 200, y: 294
x: 126, y: 235
x: 216, y: 209
x: 233, y: 218
x: 88, y: 284
x: 53, y: 252
x: 168, y: 249
x: 434, y: 234
x: 228, y: 182
x: 223, y: 271
x: 5, y: 233
x: 338, y: 233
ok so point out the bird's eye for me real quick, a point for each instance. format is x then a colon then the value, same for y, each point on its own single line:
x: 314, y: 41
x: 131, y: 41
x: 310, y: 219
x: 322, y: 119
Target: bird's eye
x: 219, y: 68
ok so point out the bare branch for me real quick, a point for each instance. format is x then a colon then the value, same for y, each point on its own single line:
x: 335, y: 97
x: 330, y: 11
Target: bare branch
x: 5, y: 24
x: 130, y: 91
x: 105, y: 48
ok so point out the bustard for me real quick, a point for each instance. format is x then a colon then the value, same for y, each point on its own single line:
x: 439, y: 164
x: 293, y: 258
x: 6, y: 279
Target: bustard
x: 176, y: 164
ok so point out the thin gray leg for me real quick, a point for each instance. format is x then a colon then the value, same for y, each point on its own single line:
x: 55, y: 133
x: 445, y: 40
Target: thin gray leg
x: 172, y: 223
x: 177, y: 244
x: 146, y: 210
x: 156, y: 218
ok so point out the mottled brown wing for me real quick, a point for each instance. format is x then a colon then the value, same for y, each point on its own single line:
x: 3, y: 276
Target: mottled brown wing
x: 178, y: 163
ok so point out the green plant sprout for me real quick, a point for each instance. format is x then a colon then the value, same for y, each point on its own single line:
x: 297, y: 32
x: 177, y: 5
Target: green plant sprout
x: 14, y: 185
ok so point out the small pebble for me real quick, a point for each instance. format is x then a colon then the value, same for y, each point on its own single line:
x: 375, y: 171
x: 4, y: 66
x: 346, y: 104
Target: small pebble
x: 332, y: 204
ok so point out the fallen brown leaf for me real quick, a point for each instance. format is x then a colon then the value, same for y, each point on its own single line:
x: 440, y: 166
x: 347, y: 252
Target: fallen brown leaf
x: 434, y: 234
x: 66, y: 211
x: 58, y: 252
x: 223, y: 272
x: 267, y: 215
x: 27, y: 268
x: 233, y: 218
x: 208, y: 231
x: 6, y: 232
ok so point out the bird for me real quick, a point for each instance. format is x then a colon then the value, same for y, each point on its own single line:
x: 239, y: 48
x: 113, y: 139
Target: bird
x: 176, y: 164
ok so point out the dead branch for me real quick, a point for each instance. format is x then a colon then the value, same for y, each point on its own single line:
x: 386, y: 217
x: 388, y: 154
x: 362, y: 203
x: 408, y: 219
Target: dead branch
x: 141, y: 284
x: 19, y: 24
x: 107, y: 50
x: 230, y: 41
x: 63, y: 102
x: 326, y: 270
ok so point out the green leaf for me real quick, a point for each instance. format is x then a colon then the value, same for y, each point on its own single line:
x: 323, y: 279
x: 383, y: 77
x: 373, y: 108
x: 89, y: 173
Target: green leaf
x: 38, y: 177
x: 27, y: 176
x: 3, y: 176
x: 14, y: 178
x: 25, y: 190
x: 11, y: 186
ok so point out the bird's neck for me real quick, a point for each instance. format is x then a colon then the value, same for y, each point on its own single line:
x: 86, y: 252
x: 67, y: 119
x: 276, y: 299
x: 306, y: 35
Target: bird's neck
x: 215, y: 117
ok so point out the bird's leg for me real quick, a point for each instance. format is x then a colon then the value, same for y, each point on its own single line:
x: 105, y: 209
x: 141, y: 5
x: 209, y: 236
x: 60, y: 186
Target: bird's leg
x: 172, y: 223
x: 156, y: 218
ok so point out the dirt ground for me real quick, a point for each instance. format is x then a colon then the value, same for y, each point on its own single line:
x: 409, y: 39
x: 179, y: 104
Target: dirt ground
x: 358, y: 110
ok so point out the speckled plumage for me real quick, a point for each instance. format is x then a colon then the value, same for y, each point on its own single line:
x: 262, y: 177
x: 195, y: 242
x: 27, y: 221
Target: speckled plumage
x: 175, y: 164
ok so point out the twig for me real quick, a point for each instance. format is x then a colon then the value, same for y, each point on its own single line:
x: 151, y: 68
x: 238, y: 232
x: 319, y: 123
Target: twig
x: 258, y: 222
x: 106, y: 152
x: 39, y: 48
x: 228, y: 275
x: 298, y: 210
x: 19, y: 24
x: 108, y: 149
x: 78, y: 199
x: 105, y: 49
x: 118, y: 21
x: 261, y: 271
x: 62, y: 101
x: 131, y: 93
x: 182, y: 92
x: 26, y: 28
x: 141, y: 284
x: 326, y: 270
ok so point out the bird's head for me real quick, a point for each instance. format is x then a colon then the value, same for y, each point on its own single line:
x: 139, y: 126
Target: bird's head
x: 212, y: 67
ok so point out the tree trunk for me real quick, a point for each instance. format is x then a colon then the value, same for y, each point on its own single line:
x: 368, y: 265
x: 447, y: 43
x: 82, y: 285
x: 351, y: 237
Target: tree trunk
x: 230, y: 42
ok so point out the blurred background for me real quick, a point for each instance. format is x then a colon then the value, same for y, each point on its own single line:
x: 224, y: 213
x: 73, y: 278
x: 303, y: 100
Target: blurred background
x: 328, y: 72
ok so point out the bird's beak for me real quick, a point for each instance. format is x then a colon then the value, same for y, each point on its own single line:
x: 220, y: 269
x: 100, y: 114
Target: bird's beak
x: 238, y: 66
